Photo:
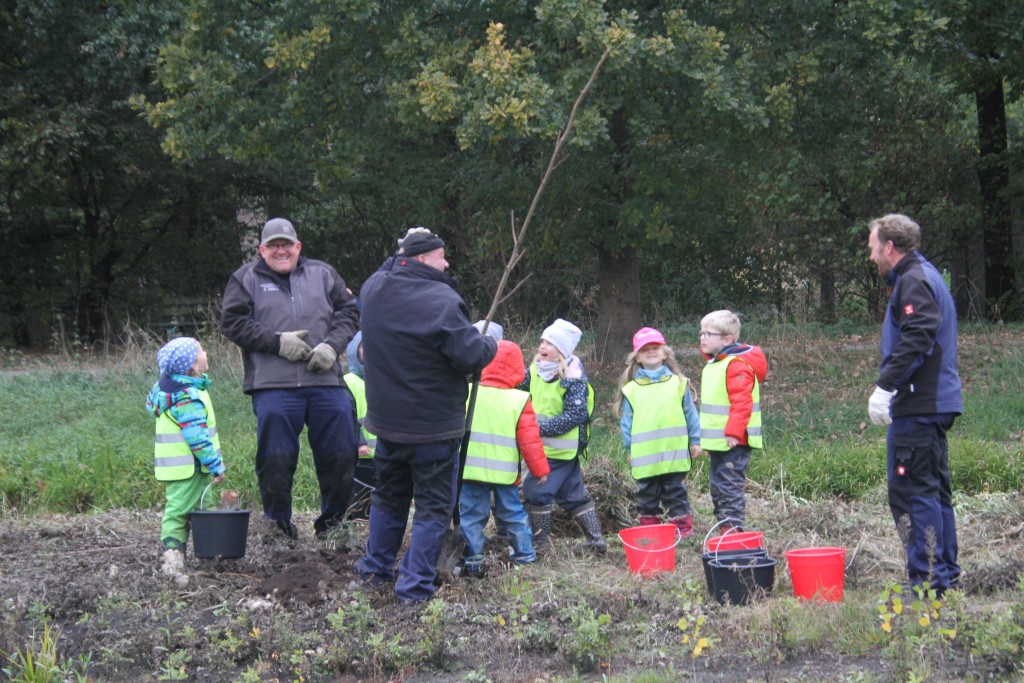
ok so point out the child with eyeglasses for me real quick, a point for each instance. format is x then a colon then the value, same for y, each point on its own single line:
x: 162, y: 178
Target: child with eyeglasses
x: 730, y: 412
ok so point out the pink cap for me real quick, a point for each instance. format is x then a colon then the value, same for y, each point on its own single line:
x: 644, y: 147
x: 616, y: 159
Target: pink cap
x: 645, y: 336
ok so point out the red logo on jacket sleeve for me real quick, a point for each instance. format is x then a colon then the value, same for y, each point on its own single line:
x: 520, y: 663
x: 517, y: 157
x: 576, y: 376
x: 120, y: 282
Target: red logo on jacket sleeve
x: 908, y: 309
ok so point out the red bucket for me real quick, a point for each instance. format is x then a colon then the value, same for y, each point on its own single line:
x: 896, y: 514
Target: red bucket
x: 739, y: 540
x: 650, y: 549
x: 817, y: 573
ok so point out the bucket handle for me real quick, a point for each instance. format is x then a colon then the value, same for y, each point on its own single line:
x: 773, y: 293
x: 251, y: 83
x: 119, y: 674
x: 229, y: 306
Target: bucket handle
x: 679, y: 537
x: 204, y: 495
x: 727, y: 532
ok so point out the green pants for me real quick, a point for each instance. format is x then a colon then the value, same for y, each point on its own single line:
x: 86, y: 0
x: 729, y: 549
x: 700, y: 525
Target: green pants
x: 182, y: 498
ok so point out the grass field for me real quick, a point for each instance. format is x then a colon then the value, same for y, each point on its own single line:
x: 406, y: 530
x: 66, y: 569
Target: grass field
x: 76, y: 437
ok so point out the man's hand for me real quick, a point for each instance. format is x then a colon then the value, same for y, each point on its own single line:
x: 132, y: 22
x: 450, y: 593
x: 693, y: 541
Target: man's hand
x: 878, y: 406
x: 292, y: 347
x: 322, y: 357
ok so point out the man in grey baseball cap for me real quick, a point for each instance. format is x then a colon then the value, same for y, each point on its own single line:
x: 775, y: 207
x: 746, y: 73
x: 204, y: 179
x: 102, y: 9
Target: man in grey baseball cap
x: 290, y: 358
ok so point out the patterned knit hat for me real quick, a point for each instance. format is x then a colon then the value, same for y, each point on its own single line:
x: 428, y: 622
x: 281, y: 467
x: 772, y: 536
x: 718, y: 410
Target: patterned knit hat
x: 177, y: 356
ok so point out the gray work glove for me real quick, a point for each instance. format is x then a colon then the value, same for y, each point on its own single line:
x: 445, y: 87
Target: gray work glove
x: 322, y: 357
x: 292, y: 347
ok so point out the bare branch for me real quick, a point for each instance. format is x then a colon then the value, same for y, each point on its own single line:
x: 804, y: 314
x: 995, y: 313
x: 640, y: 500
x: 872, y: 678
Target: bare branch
x: 553, y: 163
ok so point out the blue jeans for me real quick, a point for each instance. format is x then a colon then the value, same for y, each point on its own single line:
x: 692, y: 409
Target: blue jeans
x: 329, y: 414
x: 510, y: 516
x: 426, y: 472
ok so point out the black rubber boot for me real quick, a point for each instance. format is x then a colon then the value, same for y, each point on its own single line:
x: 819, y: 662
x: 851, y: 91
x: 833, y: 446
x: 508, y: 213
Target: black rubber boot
x: 540, y: 522
x: 591, y: 525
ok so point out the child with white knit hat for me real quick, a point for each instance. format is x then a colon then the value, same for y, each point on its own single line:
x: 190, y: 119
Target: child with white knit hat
x: 563, y: 401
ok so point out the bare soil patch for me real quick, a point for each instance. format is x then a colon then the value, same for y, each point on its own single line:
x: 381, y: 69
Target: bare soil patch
x: 267, y: 616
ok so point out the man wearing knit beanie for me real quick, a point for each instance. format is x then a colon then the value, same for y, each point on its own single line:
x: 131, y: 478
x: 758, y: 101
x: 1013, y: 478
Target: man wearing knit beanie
x: 418, y: 347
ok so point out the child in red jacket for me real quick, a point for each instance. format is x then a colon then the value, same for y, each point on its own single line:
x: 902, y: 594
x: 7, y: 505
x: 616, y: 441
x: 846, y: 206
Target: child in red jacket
x: 730, y: 411
x: 504, y: 429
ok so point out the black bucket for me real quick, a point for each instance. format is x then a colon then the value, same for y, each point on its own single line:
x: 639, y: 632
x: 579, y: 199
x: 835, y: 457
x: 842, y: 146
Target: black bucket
x: 736, y: 580
x: 726, y: 555
x: 218, y: 533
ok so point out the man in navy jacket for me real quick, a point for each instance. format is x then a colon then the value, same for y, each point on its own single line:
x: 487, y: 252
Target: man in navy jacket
x: 918, y: 395
x: 418, y: 348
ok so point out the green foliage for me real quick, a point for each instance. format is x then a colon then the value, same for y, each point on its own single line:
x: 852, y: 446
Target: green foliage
x: 586, y: 643
x: 918, y: 627
x: 996, y: 640
x: 40, y: 661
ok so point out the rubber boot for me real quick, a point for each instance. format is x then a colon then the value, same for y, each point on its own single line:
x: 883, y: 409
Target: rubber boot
x: 684, y: 524
x: 647, y: 520
x: 591, y: 526
x: 540, y: 523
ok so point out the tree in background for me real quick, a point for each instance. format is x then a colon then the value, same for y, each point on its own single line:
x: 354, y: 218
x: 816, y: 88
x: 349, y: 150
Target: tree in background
x: 98, y: 220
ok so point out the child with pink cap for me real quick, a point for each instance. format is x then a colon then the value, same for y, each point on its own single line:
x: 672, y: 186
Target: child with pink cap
x: 660, y: 429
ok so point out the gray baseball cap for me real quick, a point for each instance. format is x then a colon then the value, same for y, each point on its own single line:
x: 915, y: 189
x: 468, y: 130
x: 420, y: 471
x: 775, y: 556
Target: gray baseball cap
x: 278, y: 229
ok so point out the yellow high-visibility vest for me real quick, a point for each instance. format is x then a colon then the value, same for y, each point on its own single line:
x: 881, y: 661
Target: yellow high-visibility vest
x: 714, y: 408
x: 358, y: 387
x: 659, y: 439
x: 174, y: 460
x: 492, y: 455
x: 547, y: 403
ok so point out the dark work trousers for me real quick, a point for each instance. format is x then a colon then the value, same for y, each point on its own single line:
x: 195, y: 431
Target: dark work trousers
x: 668, y: 490
x: 280, y: 415
x: 426, y: 473
x: 726, y: 481
x: 921, y: 498
x: 564, y: 486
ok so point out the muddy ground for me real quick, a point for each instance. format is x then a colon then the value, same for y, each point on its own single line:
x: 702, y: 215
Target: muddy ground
x: 294, y: 611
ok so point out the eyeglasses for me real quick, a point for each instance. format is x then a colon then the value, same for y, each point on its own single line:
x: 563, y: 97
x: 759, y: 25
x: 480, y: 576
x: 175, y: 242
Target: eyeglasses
x: 710, y: 334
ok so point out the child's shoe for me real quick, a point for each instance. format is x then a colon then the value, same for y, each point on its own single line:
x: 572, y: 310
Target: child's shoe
x: 647, y: 520
x: 684, y: 525
x: 174, y: 566
x: 591, y: 525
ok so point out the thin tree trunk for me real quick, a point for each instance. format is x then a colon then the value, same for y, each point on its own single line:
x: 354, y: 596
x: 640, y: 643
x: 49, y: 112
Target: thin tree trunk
x: 994, y: 178
x: 618, y: 314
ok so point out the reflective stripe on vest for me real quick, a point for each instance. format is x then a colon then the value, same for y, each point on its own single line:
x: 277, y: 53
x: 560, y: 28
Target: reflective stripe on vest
x: 357, y: 386
x: 547, y: 403
x: 174, y: 460
x: 659, y: 439
x: 492, y: 455
x: 714, y: 408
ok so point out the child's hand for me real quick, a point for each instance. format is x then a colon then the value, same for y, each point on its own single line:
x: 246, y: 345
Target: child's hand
x: 218, y: 479
x: 695, y: 451
x: 732, y: 441
x: 364, y: 451
x: 541, y: 480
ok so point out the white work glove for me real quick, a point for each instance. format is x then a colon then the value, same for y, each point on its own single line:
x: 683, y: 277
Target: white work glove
x: 322, y: 357
x: 878, y: 406
x: 292, y: 347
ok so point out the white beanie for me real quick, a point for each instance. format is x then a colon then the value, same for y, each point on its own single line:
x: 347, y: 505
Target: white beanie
x: 493, y: 329
x: 564, y: 336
